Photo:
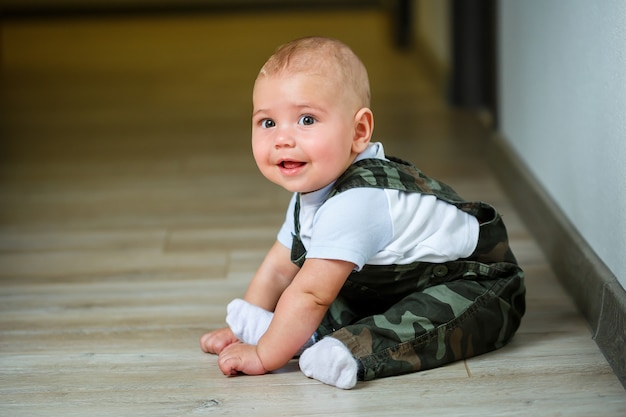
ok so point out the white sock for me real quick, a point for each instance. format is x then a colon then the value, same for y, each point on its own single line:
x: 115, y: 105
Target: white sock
x: 249, y: 322
x: 329, y: 361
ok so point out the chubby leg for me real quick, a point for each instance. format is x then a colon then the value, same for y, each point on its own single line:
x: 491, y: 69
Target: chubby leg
x: 442, y: 324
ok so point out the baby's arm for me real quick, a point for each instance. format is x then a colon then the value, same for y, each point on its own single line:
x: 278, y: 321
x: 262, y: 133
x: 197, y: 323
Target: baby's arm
x: 274, y: 275
x: 298, y: 313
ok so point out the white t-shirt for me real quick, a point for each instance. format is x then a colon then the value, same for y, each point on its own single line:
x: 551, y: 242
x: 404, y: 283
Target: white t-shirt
x: 380, y: 226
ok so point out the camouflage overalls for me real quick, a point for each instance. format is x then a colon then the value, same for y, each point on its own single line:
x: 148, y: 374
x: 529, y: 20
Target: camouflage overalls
x: 398, y: 319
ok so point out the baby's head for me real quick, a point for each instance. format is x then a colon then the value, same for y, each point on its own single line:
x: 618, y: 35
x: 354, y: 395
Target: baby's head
x: 325, y: 57
x: 311, y: 115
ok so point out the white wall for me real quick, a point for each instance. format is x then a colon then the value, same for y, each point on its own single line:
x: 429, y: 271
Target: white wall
x: 562, y: 69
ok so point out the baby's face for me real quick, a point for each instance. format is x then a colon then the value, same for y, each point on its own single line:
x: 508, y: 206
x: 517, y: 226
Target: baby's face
x: 302, y: 130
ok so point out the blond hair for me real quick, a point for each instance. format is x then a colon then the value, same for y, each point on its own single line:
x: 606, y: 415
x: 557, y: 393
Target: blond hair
x: 322, y: 56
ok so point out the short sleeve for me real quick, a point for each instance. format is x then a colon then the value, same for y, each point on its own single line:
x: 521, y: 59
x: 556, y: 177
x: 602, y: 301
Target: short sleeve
x: 351, y: 226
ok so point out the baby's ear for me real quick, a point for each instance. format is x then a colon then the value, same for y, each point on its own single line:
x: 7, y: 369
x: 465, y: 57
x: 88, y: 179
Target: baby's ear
x: 363, y: 129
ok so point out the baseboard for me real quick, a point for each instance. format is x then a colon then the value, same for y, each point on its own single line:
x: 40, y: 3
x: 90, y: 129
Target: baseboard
x: 595, y: 290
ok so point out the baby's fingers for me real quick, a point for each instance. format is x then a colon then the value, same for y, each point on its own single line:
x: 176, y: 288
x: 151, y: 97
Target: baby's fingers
x: 239, y: 357
x: 229, y: 365
x: 217, y: 340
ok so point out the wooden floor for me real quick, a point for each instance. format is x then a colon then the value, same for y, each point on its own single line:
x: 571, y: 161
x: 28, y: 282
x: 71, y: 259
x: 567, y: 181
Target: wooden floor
x: 132, y: 212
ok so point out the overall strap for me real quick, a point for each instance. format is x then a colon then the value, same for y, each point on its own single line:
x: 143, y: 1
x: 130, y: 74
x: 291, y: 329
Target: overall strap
x: 403, y: 176
x: 397, y: 174
x: 392, y: 174
x: 298, y: 251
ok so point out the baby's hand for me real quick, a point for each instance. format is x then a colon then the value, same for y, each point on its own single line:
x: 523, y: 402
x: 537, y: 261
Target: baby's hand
x: 216, y: 341
x: 239, y: 357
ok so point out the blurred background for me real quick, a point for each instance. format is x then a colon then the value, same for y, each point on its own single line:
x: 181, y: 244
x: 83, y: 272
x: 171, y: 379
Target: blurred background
x: 126, y: 100
x: 91, y: 78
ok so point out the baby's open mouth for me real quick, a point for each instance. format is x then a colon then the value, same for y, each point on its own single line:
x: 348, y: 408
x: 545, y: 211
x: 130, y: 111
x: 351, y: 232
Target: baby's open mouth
x: 291, y: 164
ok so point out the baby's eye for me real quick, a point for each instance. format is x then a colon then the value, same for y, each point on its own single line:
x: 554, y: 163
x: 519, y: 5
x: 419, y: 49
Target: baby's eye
x: 267, y: 123
x: 306, y: 120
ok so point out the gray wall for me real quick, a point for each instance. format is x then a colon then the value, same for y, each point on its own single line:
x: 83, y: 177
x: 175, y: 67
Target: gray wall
x: 562, y: 69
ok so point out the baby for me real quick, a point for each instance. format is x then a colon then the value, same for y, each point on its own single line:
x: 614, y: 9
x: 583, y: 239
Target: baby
x: 378, y: 270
